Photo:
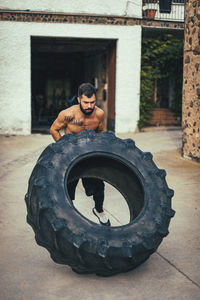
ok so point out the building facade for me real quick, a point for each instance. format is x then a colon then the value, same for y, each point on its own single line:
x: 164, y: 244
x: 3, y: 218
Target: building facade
x: 49, y: 48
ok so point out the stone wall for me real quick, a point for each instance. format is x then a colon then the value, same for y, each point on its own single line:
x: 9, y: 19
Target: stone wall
x: 77, y: 18
x: 191, y: 82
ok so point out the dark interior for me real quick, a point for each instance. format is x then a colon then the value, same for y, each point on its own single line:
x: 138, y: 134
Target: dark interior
x: 58, y: 67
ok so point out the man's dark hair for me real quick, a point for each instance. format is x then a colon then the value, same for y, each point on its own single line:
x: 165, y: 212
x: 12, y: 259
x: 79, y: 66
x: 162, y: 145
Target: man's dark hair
x: 86, y: 89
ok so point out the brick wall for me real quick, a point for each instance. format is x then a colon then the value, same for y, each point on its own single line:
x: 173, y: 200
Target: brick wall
x: 163, y: 117
x: 191, y: 82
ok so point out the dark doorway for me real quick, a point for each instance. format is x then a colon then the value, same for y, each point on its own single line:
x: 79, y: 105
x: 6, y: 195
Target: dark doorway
x: 161, y: 76
x: 60, y: 65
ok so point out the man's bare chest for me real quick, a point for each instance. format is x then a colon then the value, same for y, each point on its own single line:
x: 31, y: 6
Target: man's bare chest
x: 76, y: 124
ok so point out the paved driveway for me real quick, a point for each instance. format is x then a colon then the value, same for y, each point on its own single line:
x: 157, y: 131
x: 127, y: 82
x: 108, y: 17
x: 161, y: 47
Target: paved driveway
x: 28, y: 273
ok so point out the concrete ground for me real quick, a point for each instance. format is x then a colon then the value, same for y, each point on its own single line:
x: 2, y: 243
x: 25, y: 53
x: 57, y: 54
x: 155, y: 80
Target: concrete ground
x: 28, y: 273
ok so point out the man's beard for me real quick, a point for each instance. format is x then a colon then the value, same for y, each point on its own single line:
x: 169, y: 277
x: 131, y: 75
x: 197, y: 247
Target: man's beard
x: 86, y: 112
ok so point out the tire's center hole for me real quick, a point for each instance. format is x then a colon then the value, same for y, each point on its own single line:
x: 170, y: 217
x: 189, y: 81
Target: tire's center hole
x: 123, y: 193
x: 115, y: 206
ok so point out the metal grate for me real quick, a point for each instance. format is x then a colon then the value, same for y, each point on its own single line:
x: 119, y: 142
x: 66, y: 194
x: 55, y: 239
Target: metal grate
x: 164, y: 10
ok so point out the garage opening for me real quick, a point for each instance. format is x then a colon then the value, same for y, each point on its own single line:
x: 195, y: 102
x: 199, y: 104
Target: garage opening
x: 60, y: 65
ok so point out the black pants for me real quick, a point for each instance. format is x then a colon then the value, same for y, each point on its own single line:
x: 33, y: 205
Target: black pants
x: 93, y: 187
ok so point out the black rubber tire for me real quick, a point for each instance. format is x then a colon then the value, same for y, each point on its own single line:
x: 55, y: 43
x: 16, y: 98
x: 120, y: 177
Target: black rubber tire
x: 70, y: 237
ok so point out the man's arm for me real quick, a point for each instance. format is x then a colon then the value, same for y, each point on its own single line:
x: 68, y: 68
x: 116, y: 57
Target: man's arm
x: 100, y: 128
x: 58, y: 124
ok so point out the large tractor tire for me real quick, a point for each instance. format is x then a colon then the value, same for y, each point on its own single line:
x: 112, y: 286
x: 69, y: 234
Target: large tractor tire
x: 69, y: 236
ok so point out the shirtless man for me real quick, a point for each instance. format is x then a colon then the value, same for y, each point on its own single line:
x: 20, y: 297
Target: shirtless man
x: 85, y: 115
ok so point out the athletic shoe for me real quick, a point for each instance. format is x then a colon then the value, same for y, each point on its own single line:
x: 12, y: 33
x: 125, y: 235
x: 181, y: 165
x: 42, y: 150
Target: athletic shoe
x: 103, y: 218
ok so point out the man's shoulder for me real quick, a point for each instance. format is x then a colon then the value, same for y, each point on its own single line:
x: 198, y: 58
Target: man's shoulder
x: 69, y: 111
x: 99, y: 112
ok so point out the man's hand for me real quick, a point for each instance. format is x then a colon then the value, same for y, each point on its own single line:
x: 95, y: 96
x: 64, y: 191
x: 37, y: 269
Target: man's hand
x: 58, y: 124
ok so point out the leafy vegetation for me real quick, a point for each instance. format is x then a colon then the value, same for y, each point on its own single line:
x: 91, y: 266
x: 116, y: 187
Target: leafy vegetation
x: 161, y: 58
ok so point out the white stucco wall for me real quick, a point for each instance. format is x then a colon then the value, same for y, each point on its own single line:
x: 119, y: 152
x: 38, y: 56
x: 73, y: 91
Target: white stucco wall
x: 108, y: 7
x: 15, y: 70
x: 15, y: 84
x: 128, y: 80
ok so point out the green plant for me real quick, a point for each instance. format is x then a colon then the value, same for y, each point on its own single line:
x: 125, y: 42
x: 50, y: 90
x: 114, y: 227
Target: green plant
x: 146, y: 92
x: 161, y: 58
